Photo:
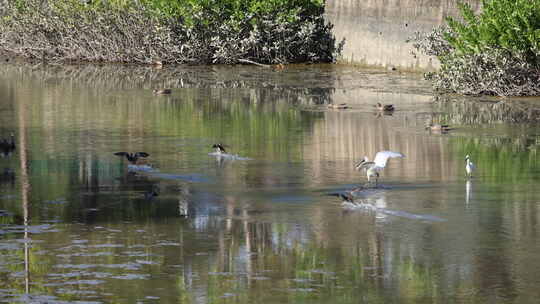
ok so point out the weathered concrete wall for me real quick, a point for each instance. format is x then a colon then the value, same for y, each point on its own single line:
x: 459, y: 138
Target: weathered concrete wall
x: 376, y: 30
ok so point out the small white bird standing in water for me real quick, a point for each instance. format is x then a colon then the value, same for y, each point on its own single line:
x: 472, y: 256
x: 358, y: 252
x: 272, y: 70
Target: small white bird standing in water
x: 373, y: 168
x: 469, y: 166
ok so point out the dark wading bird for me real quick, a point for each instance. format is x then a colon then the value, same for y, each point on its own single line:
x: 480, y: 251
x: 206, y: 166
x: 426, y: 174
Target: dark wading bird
x: 219, y: 148
x: 132, y: 157
x: 347, y: 200
x: 7, y: 146
x: 346, y: 197
x: 373, y: 168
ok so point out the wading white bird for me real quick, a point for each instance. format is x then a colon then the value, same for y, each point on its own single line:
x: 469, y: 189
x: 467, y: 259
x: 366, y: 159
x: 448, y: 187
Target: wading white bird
x: 469, y: 166
x: 373, y: 168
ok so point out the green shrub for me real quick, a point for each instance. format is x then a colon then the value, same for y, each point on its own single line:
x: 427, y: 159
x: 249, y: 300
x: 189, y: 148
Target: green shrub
x: 171, y: 31
x: 512, y: 25
x: 496, y: 52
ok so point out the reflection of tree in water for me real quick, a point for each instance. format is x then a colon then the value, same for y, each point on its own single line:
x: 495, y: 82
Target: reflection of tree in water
x: 101, y: 196
x: 461, y: 110
x: 507, y: 159
x: 297, y: 86
x: 510, y: 158
x: 278, y: 256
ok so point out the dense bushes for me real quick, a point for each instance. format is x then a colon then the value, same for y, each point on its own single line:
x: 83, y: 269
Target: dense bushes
x: 496, y: 52
x: 513, y: 25
x: 188, y: 31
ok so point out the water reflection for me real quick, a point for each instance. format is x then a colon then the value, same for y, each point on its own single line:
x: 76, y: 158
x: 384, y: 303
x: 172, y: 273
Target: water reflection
x: 8, y: 177
x: 80, y: 225
x: 468, y: 190
x: 479, y: 111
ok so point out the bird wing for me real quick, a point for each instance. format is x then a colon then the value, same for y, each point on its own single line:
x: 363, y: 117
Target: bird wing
x: 121, y: 153
x: 382, y: 157
x: 142, y: 154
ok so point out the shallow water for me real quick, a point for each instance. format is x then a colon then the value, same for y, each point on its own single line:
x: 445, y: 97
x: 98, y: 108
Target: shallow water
x: 77, y: 224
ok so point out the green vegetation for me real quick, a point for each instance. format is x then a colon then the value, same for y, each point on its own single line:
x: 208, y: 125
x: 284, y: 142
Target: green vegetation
x: 511, y: 25
x: 496, y: 52
x: 168, y: 31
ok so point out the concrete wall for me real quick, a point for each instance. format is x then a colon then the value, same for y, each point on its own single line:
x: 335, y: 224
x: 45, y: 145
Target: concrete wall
x: 376, y: 30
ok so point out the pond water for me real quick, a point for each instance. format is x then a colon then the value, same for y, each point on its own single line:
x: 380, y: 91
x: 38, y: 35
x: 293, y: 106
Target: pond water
x: 263, y: 224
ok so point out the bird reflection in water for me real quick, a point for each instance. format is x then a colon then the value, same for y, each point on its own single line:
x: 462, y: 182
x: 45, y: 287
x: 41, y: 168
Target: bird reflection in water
x: 468, y: 189
x: 184, y: 199
x: 7, y: 146
x: 149, y: 195
x: 8, y: 177
x: 183, y: 207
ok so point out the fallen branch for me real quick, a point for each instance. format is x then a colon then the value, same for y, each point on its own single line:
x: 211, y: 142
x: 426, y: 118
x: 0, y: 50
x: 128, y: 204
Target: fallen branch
x: 255, y: 63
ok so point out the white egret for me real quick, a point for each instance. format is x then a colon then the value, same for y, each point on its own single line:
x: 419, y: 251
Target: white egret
x: 469, y: 166
x: 373, y: 168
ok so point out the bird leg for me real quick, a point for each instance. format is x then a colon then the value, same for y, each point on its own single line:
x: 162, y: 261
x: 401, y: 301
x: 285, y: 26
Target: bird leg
x: 376, y: 180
